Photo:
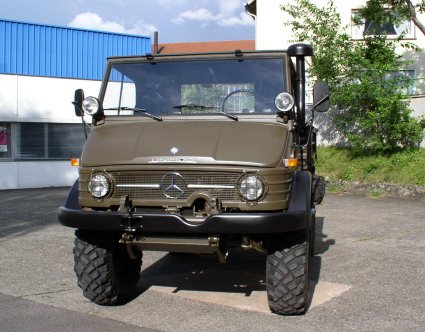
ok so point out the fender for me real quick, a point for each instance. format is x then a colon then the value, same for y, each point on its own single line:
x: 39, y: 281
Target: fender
x: 72, y: 201
x: 300, y: 197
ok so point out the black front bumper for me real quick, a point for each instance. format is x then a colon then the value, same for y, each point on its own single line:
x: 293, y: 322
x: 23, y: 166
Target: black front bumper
x: 294, y: 218
x: 228, y: 223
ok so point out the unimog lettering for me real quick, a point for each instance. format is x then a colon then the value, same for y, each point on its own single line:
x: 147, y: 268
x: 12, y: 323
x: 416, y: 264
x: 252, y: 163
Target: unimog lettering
x: 172, y: 160
x: 198, y: 153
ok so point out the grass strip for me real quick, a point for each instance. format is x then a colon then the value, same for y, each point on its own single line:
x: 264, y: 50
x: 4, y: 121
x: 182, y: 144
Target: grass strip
x: 403, y: 166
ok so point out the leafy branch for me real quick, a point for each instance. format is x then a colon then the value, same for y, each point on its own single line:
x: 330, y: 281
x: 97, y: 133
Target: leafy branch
x: 368, y: 91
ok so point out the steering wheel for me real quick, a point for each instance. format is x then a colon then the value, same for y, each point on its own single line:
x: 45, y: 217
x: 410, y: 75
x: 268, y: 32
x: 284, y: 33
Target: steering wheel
x: 232, y: 93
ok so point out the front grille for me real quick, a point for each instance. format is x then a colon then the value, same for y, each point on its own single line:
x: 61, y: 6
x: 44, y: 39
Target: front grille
x: 147, y: 185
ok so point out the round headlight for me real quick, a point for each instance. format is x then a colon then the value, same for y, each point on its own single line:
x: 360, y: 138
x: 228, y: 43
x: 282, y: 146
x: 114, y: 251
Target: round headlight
x: 251, y: 187
x: 284, y: 101
x: 90, y: 105
x: 99, y: 185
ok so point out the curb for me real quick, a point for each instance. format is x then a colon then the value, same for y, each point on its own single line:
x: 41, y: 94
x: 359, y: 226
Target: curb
x: 376, y: 188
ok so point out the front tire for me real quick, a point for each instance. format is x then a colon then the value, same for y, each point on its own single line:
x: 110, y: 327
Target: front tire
x: 105, y: 272
x: 288, y: 266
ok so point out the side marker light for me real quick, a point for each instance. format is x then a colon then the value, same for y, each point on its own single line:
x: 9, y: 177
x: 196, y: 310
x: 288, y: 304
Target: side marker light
x: 290, y: 162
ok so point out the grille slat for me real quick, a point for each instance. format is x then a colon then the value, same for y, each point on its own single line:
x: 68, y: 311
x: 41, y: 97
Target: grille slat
x: 146, y: 184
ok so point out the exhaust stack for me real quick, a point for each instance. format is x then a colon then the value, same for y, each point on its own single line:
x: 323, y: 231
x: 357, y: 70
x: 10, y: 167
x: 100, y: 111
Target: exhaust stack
x: 300, y: 51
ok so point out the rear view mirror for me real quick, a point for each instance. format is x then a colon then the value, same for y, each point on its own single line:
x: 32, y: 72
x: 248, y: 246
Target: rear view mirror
x: 321, y: 97
x: 78, y: 102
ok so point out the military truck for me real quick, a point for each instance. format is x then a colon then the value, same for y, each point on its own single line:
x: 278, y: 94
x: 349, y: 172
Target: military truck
x: 198, y: 153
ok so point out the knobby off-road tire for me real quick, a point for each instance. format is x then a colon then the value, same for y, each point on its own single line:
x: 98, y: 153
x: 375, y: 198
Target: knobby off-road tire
x: 319, y: 188
x: 288, y: 281
x: 312, y: 235
x: 105, y: 272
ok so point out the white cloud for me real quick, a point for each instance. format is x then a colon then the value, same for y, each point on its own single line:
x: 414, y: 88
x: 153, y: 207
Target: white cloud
x: 228, y: 7
x: 225, y: 17
x: 201, y: 14
x: 142, y: 28
x: 94, y: 22
x: 243, y: 19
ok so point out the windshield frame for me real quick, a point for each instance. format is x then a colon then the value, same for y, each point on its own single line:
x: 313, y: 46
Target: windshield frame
x: 287, y: 70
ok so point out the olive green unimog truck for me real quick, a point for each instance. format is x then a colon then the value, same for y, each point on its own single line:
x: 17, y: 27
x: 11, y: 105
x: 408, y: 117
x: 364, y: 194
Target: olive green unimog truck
x: 197, y: 153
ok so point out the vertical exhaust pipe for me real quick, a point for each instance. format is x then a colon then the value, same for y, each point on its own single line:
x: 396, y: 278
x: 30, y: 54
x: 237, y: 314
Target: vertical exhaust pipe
x: 155, y: 42
x: 300, y: 51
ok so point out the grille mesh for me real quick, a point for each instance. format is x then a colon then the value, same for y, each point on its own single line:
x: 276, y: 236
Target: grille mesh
x: 191, y: 178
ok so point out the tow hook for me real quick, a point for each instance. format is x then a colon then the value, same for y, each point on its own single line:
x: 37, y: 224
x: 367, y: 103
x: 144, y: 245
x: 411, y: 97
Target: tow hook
x: 129, y: 221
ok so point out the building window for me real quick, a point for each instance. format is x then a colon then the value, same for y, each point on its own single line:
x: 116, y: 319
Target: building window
x: 49, y: 141
x: 5, y: 141
x: 369, y: 28
x: 410, y: 73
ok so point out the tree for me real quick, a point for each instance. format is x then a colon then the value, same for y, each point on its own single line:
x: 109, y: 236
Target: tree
x: 382, y: 11
x: 371, y: 106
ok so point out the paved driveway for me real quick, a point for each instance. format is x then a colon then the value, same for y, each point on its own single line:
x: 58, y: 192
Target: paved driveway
x: 369, y: 270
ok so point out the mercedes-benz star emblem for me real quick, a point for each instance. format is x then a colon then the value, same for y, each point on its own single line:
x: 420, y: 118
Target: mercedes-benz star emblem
x: 173, y: 185
x: 174, y: 150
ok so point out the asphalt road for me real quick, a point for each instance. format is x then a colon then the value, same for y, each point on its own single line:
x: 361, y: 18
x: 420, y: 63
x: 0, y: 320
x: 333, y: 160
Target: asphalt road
x: 369, y: 268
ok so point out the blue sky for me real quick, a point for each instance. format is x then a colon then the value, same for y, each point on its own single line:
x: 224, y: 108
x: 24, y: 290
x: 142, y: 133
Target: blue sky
x: 175, y: 20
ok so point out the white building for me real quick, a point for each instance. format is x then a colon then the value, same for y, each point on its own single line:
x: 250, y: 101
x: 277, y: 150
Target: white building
x: 40, y: 68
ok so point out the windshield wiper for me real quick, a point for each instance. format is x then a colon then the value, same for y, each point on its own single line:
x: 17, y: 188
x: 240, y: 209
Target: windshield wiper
x: 142, y: 111
x: 195, y: 106
x: 230, y: 116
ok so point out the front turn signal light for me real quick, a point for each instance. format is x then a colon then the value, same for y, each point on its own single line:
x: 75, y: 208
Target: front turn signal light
x: 290, y: 162
x: 75, y: 162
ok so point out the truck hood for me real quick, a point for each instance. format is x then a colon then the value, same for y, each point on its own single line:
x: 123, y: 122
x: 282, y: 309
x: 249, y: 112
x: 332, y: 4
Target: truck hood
x: 226, y: 142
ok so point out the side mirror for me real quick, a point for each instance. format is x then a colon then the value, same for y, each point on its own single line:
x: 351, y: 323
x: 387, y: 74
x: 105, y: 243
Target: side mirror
x: 321, y: 98
x: 78, y: 102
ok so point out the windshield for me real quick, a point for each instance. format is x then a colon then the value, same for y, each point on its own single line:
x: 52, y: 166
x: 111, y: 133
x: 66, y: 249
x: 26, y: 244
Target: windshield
x: 230, y: 86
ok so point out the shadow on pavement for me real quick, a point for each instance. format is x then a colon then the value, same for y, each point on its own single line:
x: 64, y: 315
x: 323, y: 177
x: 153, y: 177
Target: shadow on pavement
x: 244, y: 273
x: 322, y: 245
x: 23, y: 211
